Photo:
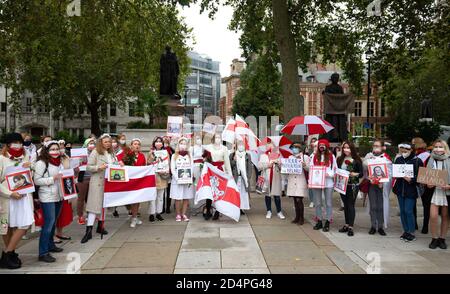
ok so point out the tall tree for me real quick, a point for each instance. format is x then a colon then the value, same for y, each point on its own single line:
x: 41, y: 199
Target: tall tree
x: 107, y: 54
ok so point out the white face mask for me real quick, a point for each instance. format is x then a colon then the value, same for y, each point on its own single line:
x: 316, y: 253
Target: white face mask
x: 198, y: 141
x: 122, y: 142
x: 406, y: 154
x: 158, y: 144
x: 377, y: 150
x: 114, y: 145
x: 241, y: 148
x: 91, y: 146
x: 218, y: 141
x: 182, y: 147
x: 16, y: 146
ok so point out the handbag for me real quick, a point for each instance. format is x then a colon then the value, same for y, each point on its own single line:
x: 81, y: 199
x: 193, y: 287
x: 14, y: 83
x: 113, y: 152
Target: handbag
x: 364, y: 186
x: 39, y: 217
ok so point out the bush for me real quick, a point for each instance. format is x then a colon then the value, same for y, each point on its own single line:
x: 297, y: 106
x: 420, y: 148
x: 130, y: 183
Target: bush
x: 66, y: 136
x: 138, y: 124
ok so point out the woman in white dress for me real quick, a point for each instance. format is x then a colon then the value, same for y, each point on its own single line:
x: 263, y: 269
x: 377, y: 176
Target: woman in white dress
x: 16, y: 210
x: 181, y: 193
x: 241, y: 167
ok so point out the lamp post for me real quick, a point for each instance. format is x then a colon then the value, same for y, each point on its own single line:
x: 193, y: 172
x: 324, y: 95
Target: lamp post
x: 369, y: 54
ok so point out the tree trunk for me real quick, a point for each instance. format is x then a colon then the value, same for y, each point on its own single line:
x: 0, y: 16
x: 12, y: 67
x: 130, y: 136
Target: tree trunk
x: 292, y: 101
x: 93, y: 106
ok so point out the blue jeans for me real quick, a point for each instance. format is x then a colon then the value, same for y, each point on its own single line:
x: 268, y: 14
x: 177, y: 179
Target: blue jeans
x: 318, y: 203
x: 407, y: 217
x: 51, y: 212
x: 311, y: 195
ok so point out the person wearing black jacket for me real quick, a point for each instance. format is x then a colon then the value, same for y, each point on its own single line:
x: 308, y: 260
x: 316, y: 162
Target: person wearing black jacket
x: 406, y: 190
x: 350, y: 161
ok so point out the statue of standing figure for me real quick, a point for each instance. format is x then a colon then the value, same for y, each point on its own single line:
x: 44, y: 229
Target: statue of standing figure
x: 169, y: 71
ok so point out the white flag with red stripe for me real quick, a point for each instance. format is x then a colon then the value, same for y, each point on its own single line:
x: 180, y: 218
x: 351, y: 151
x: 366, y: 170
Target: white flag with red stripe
x: 221, y: 188
x: 229, y: 133
x: 140, y: 187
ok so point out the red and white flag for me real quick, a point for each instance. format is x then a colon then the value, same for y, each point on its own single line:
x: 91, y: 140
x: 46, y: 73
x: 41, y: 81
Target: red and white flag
x: 140, y: 187
x: 229, y: 133
x: 221, y: 188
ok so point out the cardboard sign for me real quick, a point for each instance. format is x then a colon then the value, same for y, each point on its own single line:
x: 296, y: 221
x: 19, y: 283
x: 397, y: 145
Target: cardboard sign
x: 317, y: 177
x: 19, y: 180
x: 80, y: 154
x: 402, y: 170
x: 291, y: 166
x: 378, y: 169
x: 434, y: 177
x: 67, y: 184
x: 174, y: 126
x: 184, y: 170
x: 162, y: 161
x: 341, y: 180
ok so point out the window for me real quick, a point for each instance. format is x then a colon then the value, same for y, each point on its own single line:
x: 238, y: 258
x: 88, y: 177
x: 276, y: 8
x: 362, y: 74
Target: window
x: 358, y: 108
x: 112, y: 109
x: 382, y: 108
x: 131, y: 109
x: 371, y: 109
x: 104, y: 109
x: 3, y: 105
x: 28, y: 105
x: 42, y: 106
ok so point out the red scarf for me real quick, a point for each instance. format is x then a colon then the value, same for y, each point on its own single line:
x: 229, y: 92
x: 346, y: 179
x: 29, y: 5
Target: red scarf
x: 15, y: 153
x: 55, y: 161
x: 183, y: 153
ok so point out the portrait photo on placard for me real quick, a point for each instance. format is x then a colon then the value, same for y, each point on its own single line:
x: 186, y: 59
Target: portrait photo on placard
x: 68, y: 184
x: 117, y: 175
x: 19, y: 181
x: 379, y: 171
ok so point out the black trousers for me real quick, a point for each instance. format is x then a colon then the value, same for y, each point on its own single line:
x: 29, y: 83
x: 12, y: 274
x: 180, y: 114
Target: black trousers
x: 426, y: 203
x: 349, y: 204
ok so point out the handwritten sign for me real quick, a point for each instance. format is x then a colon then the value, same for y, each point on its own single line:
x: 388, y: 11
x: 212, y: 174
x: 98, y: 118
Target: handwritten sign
x: 434, y: 177
x: 291, y: 166
x: 402, y: 170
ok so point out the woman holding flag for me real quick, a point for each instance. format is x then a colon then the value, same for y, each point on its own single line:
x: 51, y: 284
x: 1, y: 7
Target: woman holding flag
x: 98, y: 161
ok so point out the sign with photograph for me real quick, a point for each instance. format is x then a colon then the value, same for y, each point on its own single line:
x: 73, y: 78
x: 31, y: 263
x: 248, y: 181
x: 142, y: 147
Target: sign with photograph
x: 378, y: 169
x: 162, y: 161
x: 341, y: 180
x: 81, y: 154
x: 19, y: 179
x: 434, y: 177
x: 174, y: 126
x: 117, y: 174
x: 317, y: 177
x: 183, y: 170
x: 260, y: 185
x: 402, y: 170
x: 291, y: 166
x: 67, y: 184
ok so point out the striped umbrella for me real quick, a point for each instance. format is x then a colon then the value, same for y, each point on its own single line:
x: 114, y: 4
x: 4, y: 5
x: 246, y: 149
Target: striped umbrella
x: 307, y: 125
x: 281, y: 143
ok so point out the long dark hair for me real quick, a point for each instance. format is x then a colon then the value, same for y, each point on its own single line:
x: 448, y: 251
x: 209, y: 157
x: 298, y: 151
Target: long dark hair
x: 353, y: 151
x: 44, y: 156
x: 155, y: 140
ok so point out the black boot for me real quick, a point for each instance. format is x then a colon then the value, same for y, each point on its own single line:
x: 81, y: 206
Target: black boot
x: 297, y: 213
x: 169, y: 202
x: 115, y: 213
x: 87, y: 235
x: 8, y: 261
x: 442, y: 243
x: 326, y: 227
x: 101, y: 228
x: 216, y: 215
x: 434, y: 243
x: 318, y: 226
x: 16, y: 257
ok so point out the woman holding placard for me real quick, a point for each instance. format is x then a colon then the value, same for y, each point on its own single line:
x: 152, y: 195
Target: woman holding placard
x: 439, y: 159
x: 47, y: 176
x: 323, y: 158
x: 351, y: 162
x: 181, y: 192
x: 84, y: 178
x: 406, y: 190
x: 297, y: 187
x: 16, y: 213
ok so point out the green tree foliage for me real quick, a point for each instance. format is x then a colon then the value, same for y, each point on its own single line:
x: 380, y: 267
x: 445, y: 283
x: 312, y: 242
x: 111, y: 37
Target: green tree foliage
x: 260, y: 92
x: 150, y: 103
x: 108, y: 54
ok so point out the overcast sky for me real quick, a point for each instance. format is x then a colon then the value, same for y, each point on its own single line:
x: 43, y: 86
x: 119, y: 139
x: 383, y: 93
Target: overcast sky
x: 212, y: 37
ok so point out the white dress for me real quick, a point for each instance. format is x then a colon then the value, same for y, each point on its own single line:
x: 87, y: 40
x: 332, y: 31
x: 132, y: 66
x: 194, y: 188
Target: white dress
x: 439, y: 198
x: 21, y: 212
x: 180, y: 191
x: 241, y: 184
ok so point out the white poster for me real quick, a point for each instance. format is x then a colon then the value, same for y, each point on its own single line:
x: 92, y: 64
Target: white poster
x: 19, y: 180
x: 209, y: 128
x: 162, y: 161
x: 317, y: 177
x: 184, y: 170
x: 174, y: 126
x: 291, y: 166
x: 67, y: 184
x: 341, y: 180
x: 378, y: 169
x: 402, y: 170
x: 80, y: 154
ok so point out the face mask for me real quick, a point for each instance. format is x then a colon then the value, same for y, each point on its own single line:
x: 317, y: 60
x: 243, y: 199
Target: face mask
x: 158, y: 144
x: 347, y: 151
x: 68, y: 149
x: 54, y: 153
x: 91, y: 147
x: 122, y: 142
x: 198, y: 142
x: 406, y: 154
x: 27, y: 143
x: 218, y: 141
x: 295, y: 150
x: 241, y: 148
x: 377, y: 150
x: 182, y: 147
x: 16, y: 146
x: 322, y: 149
x: 62, y: 151
x: 114, y: 145
x: 437, y: 150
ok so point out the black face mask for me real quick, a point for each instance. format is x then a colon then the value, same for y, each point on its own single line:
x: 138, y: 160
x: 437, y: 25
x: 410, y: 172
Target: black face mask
x: 26, y: 143
x: 68, y: 149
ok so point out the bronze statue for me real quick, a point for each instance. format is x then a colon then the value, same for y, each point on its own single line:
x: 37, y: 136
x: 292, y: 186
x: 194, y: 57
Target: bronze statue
x: 169, y: 71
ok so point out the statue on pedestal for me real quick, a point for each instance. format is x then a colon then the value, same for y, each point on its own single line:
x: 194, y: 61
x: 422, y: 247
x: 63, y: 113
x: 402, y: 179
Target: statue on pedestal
x: 169, y: 71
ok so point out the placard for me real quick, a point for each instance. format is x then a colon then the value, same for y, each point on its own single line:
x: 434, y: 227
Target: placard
x: 341, y: 180
x: 82, y: 155
x: 162, y: 161
x: 117, y: 174
x: 378, y: 169
x: 184, y: 171
x: 291, y: 166
x: 434, y: 177
x: 403, y: 170
x: 67, y: 184
x: 317, y: 177
x: 260, y: 185
x: 209, y: 128
x: 19, y: 180
x: 174, y: 126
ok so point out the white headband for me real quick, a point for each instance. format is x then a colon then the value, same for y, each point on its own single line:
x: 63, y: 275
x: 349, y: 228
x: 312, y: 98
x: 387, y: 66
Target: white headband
x: 104, y: 136
x: 135, y: 139
x: 48, y: 143
x: 404, y: 145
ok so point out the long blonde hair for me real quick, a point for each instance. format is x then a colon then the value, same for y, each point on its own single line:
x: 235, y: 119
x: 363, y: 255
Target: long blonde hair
x: 446, y: 148
x: 99, y: 146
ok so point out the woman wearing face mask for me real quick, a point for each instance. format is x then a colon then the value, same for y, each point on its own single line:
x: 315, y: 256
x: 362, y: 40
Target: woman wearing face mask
x: 122, y: 144
x: 133, y: 157
x: 167, y: 200
x: 406, y: 190
x: 47, y: 176
x: 115, y: 145
x: 156, y: 206
x: 181, y: 193
x: 311, y: 149
x: 16, y: 213
x: 84, y: 178
x: 98, y: 161
x: 29, y: 147
x: 440, y: 159
x: 350, y: 161
x: 68, y: 148
x: 297, y: 187
x: 241, y: 167
x: 377, y: 189
x: 324, y: 157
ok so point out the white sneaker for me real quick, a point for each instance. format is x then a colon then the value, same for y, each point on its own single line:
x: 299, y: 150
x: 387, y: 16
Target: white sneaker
x: 281, y: 215
x: 311, y: 205
x: 268, y: 214
x: 133, y: 223
x: 138, y: 221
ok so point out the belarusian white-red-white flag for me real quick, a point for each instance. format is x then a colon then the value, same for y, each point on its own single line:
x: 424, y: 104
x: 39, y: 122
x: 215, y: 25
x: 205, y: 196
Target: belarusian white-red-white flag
x: 221, y: 188
x: 229, y: 134
x: 141, y: 187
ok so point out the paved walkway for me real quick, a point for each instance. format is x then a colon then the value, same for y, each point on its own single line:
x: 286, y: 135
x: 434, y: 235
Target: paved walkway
x: 254, y: 245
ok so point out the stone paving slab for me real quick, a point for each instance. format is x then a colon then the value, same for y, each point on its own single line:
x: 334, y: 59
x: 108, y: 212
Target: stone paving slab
x: 198, y: 259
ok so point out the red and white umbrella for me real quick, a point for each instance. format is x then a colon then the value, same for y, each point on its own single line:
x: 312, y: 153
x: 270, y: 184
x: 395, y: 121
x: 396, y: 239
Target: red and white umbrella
x: 282, y: 143
x: 307, y: 125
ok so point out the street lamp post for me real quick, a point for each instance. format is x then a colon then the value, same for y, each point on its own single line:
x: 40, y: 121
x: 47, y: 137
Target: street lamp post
x: 369, y: 54
x: 186, y: 89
